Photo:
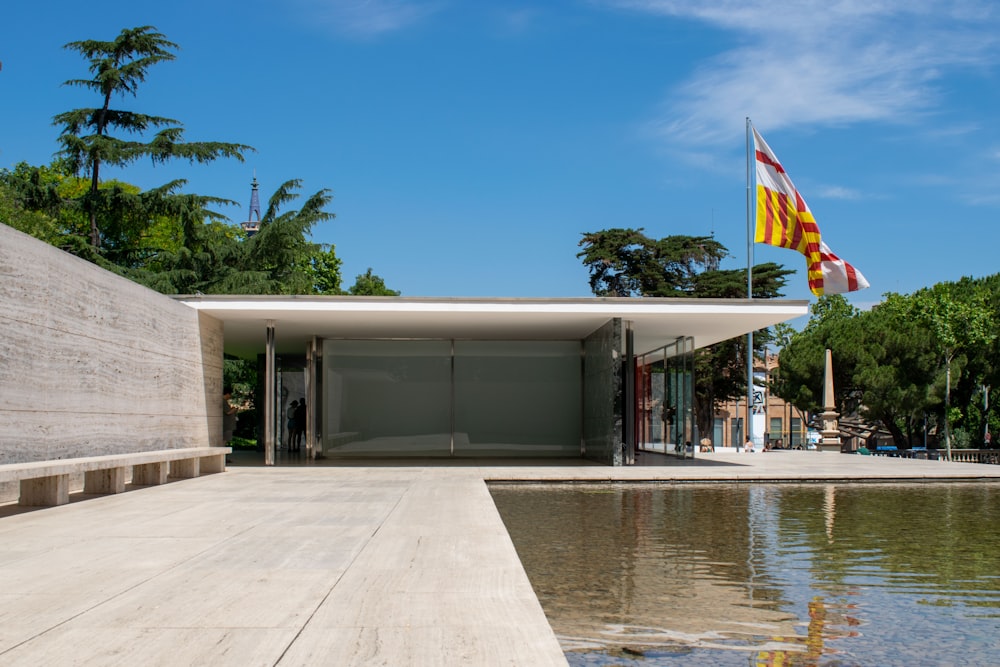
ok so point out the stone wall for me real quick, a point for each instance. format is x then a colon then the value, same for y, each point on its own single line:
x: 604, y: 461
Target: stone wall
x: 92, y: 363
x: 603, y: 398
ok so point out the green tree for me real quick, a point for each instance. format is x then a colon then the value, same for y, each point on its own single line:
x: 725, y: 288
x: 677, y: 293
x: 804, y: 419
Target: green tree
x: 369, y: 284
x: 957, y: 320
x: 626, y: 262
x: 799, y: 377
x: 87, y: 139
x: 216, y: 258
x: 324, y: 267
x: 30, y: 202
x: 895, y: 362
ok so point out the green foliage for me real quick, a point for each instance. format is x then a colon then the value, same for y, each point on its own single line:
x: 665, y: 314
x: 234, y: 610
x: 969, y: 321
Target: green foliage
x: 626, y: 262
x: 216, y: 258
x: 902, y: 361
x: 369, y: 284
x: 241, y: 376
x: 324, y: 268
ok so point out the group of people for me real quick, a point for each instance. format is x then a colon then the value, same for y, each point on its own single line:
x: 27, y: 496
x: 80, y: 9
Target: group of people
x: 296, y: 425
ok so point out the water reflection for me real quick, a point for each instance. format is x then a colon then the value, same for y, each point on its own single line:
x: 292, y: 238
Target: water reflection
x: 763, y: 574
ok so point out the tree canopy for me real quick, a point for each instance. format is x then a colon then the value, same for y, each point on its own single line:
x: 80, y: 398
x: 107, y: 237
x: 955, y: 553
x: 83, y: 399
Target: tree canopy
x: 906, y: 363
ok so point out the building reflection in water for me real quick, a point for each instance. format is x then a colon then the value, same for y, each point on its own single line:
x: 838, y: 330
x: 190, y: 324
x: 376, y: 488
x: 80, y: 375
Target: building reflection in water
x: 777, y: 574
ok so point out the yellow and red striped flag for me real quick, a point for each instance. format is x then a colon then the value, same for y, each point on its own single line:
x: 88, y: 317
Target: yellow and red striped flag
x: 784, y: 220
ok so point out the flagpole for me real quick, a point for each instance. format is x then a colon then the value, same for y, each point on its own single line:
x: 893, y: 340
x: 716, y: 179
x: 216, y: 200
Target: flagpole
x: 749, y: 290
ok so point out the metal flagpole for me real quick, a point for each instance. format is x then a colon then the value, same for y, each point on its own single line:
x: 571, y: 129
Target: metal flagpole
x: 749, y: 287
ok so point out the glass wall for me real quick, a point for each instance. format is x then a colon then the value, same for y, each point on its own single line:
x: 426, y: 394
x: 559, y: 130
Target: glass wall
x: 515, y: 397
x: 665, y: 399
x: 386, y: 398
x: 442, y: 398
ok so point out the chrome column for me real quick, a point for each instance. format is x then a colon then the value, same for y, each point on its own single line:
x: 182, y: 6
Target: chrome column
x: 311, y: 396
x: 269, y: 398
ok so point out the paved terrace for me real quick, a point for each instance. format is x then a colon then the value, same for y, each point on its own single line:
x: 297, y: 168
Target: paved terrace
x: 368, y: 564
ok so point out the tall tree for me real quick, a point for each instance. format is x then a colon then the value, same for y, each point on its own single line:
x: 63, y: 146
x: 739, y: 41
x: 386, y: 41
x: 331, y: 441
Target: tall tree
x: 957, y: 320
x: 895, y: 362
x: 626, y: 262
x: 799, y: 378
x: 87, y: 139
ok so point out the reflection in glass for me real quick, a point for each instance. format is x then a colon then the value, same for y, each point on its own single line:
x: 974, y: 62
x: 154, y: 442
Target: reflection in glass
x: 665, y: 399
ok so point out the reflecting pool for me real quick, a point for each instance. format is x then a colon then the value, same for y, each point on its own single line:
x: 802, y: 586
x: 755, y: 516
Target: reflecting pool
x: 740, y: 574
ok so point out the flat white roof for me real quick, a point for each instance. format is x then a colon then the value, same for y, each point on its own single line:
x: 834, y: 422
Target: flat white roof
x: 655, y: 321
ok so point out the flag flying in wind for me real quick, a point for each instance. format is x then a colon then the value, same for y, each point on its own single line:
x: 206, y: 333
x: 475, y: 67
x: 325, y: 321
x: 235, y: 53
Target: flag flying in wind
x: 784, y: 220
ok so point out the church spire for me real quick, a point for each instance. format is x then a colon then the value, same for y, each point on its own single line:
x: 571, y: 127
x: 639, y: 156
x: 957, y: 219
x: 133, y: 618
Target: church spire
x: 252, y: 226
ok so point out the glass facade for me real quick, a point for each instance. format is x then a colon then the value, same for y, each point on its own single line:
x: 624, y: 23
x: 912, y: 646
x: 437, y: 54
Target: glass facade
x: 516, y: 396
x: 665, y: 399
x: 450, y: 398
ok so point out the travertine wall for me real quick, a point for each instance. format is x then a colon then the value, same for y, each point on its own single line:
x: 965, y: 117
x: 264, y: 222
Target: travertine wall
x: 91, y: 363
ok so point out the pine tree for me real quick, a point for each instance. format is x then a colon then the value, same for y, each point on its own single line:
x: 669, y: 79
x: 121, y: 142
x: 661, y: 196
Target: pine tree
x: 92, y: 137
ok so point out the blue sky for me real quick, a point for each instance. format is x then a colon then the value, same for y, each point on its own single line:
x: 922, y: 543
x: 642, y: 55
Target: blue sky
x: 469, y: 144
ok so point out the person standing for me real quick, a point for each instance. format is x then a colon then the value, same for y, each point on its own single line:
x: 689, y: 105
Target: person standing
x: 299, y: 417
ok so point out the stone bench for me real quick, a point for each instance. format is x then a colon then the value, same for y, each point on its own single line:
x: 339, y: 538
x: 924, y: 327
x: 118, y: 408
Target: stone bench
x: 46, y: 483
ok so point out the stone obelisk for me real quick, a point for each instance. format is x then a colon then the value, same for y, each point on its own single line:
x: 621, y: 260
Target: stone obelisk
x: 831, y: 427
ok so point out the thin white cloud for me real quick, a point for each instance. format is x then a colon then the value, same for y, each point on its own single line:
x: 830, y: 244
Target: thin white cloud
x: 518, y: 21
x: 838, y: 192
x: 365, y: 18
x: 821, y: 62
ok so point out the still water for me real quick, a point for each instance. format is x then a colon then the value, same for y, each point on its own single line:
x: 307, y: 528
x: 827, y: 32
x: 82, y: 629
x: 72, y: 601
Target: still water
x: 764, y: 574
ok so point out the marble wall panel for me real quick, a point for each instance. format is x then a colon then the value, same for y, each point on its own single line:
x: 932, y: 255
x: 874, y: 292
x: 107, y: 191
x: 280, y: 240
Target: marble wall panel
x: 603, y: 399
x: 91, y: 363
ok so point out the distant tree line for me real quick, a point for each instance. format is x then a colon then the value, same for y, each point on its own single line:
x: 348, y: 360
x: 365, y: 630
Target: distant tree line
x: 922, y: 363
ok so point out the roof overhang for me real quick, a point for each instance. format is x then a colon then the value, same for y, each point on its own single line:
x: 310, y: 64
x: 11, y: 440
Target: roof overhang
x: 655, y: 321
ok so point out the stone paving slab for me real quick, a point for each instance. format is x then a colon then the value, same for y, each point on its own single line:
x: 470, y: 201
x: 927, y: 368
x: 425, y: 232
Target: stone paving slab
x: 279, y: 566
x: 321, y: 565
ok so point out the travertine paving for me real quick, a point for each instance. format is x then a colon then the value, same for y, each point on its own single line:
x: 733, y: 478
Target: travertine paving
x: 318, y: 565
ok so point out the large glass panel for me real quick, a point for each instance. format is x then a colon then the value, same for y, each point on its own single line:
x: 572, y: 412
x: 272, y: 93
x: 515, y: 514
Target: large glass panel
x: 517, y: 398
x: 665, y: 399
x: 386, y: 398
x: 651, y: 399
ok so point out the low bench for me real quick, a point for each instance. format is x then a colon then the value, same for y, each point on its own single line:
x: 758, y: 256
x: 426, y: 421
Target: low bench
x: 46, y: 483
